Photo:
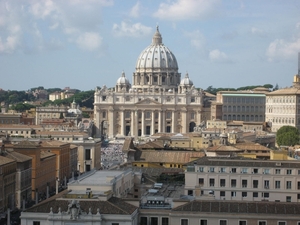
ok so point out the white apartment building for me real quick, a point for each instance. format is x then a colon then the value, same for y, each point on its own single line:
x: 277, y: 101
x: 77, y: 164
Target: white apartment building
x: 244, y: 179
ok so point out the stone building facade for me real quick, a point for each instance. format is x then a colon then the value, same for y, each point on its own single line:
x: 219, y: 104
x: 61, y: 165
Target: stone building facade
x: 158, y: 101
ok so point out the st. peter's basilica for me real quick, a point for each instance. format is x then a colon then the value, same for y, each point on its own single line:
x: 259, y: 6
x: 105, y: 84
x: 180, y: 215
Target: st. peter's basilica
x: 158, y: 101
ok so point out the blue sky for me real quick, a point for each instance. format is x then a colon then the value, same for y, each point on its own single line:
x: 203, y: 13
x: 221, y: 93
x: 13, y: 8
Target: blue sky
x: 87, y: 43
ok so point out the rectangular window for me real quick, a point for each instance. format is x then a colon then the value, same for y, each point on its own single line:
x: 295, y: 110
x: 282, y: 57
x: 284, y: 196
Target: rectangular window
x: 242, y: 222
x: 288, y: 198
x: 244, y: 183
x: 223, y: 222
x: 203, y: 222
x: 36, y: 223
x: 192, y: 99
x: 244, y: 170
x: 289, y: 185
x: 255, y: 171
x: 282, y: 223
x: 233, y: 194
x: 212, y: 169
x: 277, y: 171
x: 233, y: 170
x: 184, y: 222
x: 154, y: 221
x: 255, y: 183
x: 262, y: 223
x: 115, y: 224
x: 144, y: 221
x: 265, y: 195
x: 277, y: 184
x: 164, y: 221
x: 103, y: 114
x: 266, y: 171
x: 87, y: 154
x: 211, y: 182
x: 244, y: 194
x: 201, y: 181
x: 233, y: 183
x: 266, y: 184
x: 222, y: 182
x: 255, y: 194
x: 201, y: 169
x: 222, y: 170
x: 222, y: 193
x: 289, y: 172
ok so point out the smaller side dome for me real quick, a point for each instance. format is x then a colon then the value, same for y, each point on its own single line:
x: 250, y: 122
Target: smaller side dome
x: 186, y: 80
x: 123, y: 80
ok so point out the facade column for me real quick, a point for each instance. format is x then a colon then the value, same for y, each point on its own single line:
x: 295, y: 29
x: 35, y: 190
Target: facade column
x: 153, y: 123
x: 159, y: 121
x: 111, y: 122
x: 143, y: 123
x: 132, y: 127
x: 122, y: 122
x: 164, y: 121
x: 136, y: 125
x: 184, y: 122
x: 198, y: 117
x: 173, y: 122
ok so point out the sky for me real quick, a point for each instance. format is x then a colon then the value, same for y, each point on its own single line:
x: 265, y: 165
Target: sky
x: 83, y: 44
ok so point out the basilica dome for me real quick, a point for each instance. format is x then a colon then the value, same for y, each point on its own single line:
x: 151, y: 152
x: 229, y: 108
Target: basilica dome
x: 123, y: 80
x: 157, y: 56
x: 186, y: 80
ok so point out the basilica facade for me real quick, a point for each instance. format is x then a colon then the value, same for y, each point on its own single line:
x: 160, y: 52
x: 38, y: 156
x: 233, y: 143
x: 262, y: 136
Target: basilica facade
x: 158, y: 101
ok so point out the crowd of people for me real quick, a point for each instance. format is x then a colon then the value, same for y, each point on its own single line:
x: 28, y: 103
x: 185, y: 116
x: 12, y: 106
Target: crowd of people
x: 111, y: 155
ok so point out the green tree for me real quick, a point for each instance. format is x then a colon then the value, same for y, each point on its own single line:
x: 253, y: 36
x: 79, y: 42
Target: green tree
x: 287, y: 135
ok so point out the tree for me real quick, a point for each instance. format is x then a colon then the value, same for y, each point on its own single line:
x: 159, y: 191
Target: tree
x: 287, y: 135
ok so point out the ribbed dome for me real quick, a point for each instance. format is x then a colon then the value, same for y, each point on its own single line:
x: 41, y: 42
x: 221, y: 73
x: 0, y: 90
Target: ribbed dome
x: 123, y: 80
x: 157, y: 56
x: 186, y: 80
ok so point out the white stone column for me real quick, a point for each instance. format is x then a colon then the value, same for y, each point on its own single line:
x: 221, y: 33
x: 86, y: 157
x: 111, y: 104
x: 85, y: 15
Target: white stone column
x: 173, y: 130
x: 122, y: 120
x: 184, y: 121
x: 111, y: 123
x: 164, y: 121
x: 143, y: 123
x: 153, y: 123
x: 136, y: 125
x: 159, y: 121
x: 132, y: 130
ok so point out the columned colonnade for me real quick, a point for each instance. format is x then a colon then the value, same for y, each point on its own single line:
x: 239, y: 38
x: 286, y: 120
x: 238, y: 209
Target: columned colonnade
x: 148, y: 121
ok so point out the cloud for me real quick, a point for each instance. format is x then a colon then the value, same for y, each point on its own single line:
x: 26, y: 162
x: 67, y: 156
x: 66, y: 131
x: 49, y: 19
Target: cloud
x: 131, y: 30
x: 186, y: 10
x: 197, y: 39
x: 218, y: 57
x: 35, y: 25
x: 258, y: 32
x: 281, y: 49
x: 89, y: 41
x: 135, y: 10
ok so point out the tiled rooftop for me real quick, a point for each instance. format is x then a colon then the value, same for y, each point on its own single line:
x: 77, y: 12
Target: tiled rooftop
x: 167, y: 156
x: 112, y: 206
x: 216, y: 206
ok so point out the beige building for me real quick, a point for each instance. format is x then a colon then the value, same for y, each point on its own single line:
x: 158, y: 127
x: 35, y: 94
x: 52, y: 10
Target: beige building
x: 158, y: 101
x: 243, y: 179
x: 50, y: 112
x: 283, y: 106
x: 240, y: 105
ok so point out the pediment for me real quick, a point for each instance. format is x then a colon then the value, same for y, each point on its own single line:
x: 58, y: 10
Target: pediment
x: 147, y: 101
